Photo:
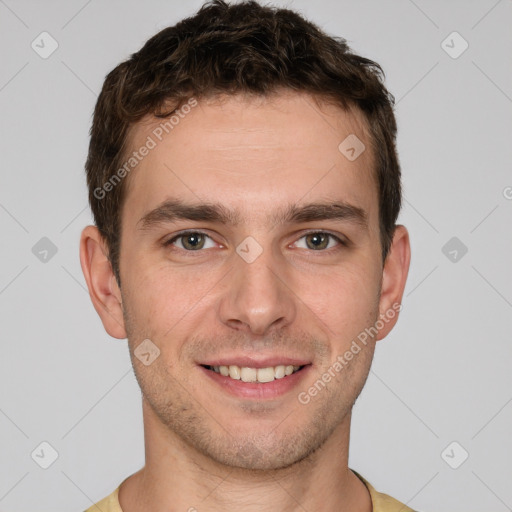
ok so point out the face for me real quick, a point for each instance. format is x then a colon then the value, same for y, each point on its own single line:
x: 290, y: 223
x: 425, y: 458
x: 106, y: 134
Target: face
x: 250, y: 243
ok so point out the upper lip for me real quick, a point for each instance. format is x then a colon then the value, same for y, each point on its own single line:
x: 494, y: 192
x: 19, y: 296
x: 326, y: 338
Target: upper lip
x: 256, y: 362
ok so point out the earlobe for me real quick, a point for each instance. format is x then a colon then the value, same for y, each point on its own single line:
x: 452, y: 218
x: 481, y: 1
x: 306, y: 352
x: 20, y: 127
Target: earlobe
x: 101, y: 282
x: 394, y: 277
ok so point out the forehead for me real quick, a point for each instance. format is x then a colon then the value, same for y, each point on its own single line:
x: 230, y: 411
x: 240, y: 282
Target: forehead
x: 253, y: 151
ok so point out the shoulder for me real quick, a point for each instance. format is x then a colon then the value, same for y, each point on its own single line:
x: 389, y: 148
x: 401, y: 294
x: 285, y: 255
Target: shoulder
x: 107, y: 504
x: 383, y: 502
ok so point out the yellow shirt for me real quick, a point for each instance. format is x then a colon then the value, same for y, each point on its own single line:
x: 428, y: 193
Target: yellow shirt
x: 381, y: 502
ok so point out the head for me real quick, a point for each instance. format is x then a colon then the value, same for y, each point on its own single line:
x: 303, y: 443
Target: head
x: 273, y: 146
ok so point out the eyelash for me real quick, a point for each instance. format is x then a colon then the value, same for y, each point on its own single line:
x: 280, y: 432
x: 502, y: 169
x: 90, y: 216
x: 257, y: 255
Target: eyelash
x: 169, y: 242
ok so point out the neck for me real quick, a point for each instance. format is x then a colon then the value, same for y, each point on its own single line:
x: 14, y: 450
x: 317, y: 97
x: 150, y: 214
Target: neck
x: 176, y: 477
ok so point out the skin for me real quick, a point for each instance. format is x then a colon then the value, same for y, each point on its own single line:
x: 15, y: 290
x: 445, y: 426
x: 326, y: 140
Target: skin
x: 204, y: 447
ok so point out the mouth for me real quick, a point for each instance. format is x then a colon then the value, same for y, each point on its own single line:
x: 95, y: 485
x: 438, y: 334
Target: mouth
x: 249, y: 374
x: 259, y: 382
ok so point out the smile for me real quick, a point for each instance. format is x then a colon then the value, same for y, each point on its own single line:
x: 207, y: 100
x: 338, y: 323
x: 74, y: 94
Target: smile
x: 249, y: 377
x: 248, y: 374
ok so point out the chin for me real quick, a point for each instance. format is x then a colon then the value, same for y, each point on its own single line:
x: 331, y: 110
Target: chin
x: 263, y: 454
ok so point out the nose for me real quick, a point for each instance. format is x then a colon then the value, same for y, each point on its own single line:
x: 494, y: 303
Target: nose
x: 258, y: 296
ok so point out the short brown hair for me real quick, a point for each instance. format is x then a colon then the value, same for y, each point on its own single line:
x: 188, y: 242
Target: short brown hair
x: 230, y: 49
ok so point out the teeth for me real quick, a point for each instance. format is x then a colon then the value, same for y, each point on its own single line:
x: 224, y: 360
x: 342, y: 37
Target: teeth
x: 234, y: 372
x: 247, y: 374
x: 280, y: 371
x: 266, y: 374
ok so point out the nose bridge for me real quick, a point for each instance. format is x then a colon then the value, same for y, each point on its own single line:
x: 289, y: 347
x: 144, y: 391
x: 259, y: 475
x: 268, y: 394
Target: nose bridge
x: 256, y: 297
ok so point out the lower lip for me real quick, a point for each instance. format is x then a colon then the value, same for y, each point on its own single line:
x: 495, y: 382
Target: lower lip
x: 258, y: 390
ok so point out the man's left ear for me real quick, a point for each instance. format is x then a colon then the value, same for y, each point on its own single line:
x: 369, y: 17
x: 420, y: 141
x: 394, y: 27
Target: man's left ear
x: 394, y: 277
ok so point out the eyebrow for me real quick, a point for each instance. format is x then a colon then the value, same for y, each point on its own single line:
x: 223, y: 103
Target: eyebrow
x: 175, y: 209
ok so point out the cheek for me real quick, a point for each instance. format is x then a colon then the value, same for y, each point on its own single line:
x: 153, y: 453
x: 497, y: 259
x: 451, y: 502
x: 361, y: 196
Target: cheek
x: 165, y: 302
x: 346, y: 301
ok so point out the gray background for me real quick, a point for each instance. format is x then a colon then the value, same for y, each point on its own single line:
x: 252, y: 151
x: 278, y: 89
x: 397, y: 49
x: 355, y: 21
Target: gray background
x: 443, y: 375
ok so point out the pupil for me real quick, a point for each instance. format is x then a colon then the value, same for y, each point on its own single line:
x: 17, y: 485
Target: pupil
x: 318, y: 240
x: 193, y: 240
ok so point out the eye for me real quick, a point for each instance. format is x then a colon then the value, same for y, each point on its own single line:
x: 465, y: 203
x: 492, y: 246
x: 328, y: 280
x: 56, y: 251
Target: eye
x: 319, y: 240
x: 191, y: 241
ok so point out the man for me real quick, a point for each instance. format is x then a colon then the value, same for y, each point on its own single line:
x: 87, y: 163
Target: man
x: 245, y: 187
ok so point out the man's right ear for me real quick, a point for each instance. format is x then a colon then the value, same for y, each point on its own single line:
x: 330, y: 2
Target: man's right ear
x: 101, y: 281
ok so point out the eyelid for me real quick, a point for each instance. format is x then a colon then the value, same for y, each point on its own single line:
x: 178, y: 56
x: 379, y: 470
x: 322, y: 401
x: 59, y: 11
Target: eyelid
x: 176, y: 236
x: 180, y: 234
x: 340, y: 239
